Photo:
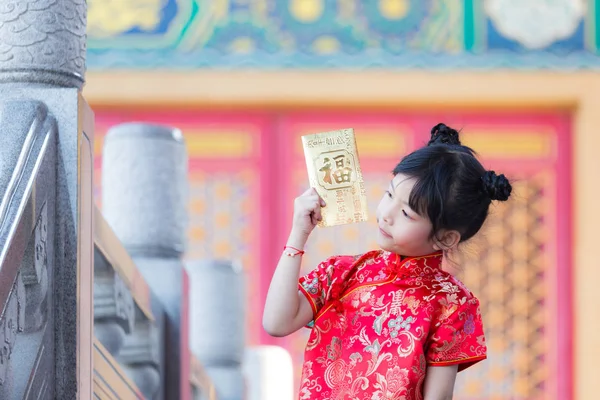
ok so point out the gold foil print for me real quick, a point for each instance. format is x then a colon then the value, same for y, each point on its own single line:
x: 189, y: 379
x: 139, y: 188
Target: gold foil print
x: 334, y: 171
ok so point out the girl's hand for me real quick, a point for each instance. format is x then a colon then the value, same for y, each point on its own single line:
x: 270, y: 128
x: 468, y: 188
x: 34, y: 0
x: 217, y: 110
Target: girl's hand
x: 307, y: 212
x: 286, y: 308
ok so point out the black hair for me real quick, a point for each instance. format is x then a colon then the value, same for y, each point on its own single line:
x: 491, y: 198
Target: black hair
x: 452, y: 188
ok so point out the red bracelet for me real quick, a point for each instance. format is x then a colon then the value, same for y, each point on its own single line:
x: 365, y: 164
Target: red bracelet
x: 290, y: 254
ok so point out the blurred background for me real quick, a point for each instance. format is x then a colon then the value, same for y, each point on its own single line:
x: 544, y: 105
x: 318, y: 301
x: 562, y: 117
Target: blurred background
x: 244, y: 79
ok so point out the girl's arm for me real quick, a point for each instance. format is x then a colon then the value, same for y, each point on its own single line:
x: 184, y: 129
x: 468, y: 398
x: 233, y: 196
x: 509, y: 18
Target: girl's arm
x: 286, y: 309
x: 439, y: 382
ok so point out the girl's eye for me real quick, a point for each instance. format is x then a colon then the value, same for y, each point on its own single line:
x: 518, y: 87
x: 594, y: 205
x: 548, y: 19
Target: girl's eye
x: 405, y: 214
x: 388, y: 194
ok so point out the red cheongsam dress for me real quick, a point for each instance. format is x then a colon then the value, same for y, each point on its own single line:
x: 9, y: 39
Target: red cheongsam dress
x: 380, y: 320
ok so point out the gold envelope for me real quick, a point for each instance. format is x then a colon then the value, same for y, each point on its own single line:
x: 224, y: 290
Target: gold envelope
x: 334, y: 171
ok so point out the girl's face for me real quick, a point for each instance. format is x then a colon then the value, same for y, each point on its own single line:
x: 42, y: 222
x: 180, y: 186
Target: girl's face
x: 402, y: 230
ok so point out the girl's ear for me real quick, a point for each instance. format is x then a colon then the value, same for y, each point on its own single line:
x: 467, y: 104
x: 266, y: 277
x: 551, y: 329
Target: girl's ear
x: 446, y: 240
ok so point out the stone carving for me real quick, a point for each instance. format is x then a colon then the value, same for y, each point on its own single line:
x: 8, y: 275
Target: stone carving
x: 11, y: 323
x: 114, y: 311
x: 43, y: 41
x: 536, y: 24
x: 146, y: 378
x: 34, y: 273
x: 141, y: 357
x: 113, y: 300
x: 111, y: 335
x: 143, y: 345
x: 31, y: 273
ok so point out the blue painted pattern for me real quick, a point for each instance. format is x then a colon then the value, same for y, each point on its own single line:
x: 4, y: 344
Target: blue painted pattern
x: 399, y: 34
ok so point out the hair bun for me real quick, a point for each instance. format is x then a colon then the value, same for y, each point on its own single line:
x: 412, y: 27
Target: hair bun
x: 497, y: 187
x: 443, y: 134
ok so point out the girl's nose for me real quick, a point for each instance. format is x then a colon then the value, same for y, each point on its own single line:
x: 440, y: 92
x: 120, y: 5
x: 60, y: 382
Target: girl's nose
x: 386, y: 216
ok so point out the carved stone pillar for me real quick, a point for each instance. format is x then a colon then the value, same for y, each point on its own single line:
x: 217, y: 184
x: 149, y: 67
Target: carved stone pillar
x: 144, y: 200
x: 217, y: 312
x: 43, y: 41
x: 42, y: 67
x: 217, y: 323
x: 144, y: 189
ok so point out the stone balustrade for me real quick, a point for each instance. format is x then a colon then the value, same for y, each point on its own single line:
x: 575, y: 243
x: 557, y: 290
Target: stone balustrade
x: 27, y: 240
x: 141, y: 295
x: 141, y: 346
x: 125, y: 321
x: 94, y: 304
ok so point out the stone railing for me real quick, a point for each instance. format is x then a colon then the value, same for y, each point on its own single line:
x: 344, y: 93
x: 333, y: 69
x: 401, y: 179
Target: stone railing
x: 46, y: 159
x: 27, y: 239
x: 141, y: 290
x: 128, y: 335
x: 129, y: 326
x: 148, y: 307
x: 97, y: 304
x: 139, y: 344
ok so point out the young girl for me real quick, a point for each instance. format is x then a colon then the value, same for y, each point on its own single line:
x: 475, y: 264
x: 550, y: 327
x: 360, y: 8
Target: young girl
x: 391, y: 323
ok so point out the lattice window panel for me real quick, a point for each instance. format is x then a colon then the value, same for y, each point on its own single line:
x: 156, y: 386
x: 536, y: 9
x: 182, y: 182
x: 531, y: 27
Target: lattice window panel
x: 509, y: 269
x: 220, y: 205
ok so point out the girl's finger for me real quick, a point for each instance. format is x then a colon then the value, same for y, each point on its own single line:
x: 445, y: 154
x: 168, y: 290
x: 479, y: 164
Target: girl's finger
x: 308, y: 192
x: 312, y: 205
x: 323, y: 204
x: 318, y: 215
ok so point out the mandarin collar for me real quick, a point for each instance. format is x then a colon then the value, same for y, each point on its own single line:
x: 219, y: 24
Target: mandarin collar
x: 413, y: 266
